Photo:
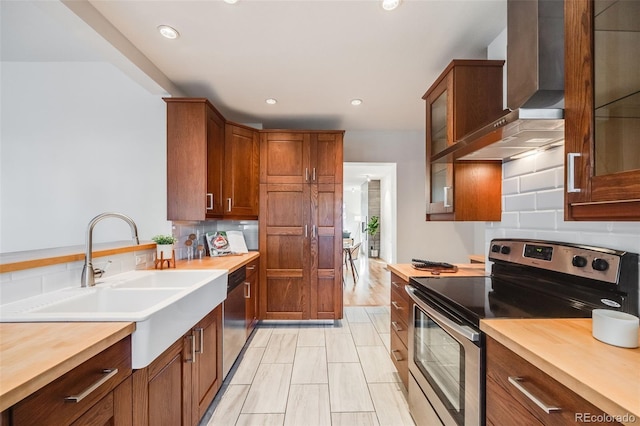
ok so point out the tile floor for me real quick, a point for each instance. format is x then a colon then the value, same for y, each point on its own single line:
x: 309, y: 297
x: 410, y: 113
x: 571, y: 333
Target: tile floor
x: 315, y: 374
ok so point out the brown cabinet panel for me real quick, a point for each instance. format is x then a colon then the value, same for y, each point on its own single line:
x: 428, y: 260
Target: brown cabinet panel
x: 301, y: 225
x: 467, y: 95
x: 605, y: 185
x: 506, y: 404
x: 399, y: 356
x: 242, y: 163
x: 48, y: 405
x: 166, y: 394
x: 400, y: 316
x: 251, y: 295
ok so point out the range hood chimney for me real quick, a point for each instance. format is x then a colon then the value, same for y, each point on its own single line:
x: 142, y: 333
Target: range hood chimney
x: 535, y: 86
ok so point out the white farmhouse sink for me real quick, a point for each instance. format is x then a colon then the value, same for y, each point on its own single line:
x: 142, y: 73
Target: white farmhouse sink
x: 163, y: 304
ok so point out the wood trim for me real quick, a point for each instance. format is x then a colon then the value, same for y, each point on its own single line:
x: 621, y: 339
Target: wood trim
x: 55, y: 260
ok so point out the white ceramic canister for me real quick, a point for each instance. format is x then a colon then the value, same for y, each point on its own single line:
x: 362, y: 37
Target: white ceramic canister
x: 615, y: 328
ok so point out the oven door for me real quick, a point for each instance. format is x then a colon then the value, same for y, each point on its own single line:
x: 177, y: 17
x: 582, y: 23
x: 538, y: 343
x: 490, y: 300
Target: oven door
x: 445, y: 360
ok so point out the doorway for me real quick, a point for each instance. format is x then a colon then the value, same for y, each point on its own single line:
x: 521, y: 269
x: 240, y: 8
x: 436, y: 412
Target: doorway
x: 369, y: 190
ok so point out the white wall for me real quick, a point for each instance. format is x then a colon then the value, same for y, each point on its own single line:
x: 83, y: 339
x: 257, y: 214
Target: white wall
x: 78, y: 139
x: 388, y: 218
x: 445, y: 241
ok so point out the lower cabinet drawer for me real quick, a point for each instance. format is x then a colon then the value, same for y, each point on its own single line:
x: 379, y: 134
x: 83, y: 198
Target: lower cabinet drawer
x: 86, y: 384
x: 399, y: 325
x: 399, y: 356
x: 519, y: 391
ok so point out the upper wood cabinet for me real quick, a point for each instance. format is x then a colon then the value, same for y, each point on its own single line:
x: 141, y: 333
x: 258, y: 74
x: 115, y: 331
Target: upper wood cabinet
x: 300, y: 225
x: 242, y: 164
x: 195, y: 159
x: 467, y: 95
x: 212, y: 166
x: 602, y: 119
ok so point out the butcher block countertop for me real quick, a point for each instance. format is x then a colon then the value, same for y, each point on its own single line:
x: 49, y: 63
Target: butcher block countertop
x: 33, y: 355
x: 605, y: 375
x: 406, y: 271
x: 231, y: 263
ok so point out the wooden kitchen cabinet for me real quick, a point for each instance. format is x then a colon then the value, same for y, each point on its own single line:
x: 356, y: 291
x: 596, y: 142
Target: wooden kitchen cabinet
x: 102, y: 385
x: 179, y: 385
x: 251, y: 295
x: 212, y: 165
x: 400, y: 318
x: 602, y: 122
x: 507, y: 404
x: 240, y: 179
x: 301, y: 225
x: 467, y: 95
x: 195, y: 159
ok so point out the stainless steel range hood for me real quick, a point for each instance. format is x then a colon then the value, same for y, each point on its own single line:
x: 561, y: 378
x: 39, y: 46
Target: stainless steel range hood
x: 535, y: 86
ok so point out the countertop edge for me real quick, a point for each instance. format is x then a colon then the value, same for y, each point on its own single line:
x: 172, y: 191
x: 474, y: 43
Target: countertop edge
x: 230, y: 263
x: 468, y: 269
x: 12, y: 396
x: 590, y: 394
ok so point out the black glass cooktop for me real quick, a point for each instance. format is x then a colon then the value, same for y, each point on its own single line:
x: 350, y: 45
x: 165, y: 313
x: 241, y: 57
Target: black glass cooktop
x: 476, y: 298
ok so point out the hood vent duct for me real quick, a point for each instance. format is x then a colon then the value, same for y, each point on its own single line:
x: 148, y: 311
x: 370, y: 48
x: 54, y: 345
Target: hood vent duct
x: 535, y: 86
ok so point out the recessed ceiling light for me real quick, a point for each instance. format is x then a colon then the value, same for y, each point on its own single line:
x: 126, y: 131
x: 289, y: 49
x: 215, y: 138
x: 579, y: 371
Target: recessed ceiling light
x: 231, y: 1
x: 390, y: 4
x: 168, y: 32
x: 271, y: 101
x: 356, y: 102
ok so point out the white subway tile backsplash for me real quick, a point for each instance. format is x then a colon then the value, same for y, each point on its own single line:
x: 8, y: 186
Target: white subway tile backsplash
x: 550, y: 200
x: 518, y: 167
x: 538, y: 219
x: 510, y: 220
x: 510, y: 186
x: 538, y: 181
x: 550, y: 159
x: 520, y: 202
x: 20, y: 289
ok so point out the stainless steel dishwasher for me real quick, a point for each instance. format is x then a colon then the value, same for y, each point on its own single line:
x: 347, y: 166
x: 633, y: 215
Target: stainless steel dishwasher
x: 234, y: 332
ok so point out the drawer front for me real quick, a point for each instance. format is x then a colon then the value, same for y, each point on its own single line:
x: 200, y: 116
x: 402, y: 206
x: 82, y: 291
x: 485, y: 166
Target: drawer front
x: 252, y: 267
x: 503, y: 364
x: 400, y: 308
x: 399, y: 325
x: 399, y: 355
x: 48, y: 405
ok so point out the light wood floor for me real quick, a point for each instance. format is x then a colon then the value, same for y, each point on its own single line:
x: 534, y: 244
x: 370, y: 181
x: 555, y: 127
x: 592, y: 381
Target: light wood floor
x: 372, y: 285
x: 315, y: 374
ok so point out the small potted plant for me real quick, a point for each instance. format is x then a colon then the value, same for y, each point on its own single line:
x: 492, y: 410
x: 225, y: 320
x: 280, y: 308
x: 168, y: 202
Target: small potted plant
x: 164, y: 246
x: 372, y: 229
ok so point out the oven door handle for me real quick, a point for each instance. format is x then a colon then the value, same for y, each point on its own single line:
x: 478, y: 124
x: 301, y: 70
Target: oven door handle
x: 463, y: 330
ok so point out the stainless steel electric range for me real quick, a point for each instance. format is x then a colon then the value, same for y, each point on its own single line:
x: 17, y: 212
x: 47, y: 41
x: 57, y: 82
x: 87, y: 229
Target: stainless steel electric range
x: 529, y: 279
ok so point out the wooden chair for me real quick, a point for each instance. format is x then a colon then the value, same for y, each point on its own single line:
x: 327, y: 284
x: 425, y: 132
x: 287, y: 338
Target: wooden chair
x: 353, y: 255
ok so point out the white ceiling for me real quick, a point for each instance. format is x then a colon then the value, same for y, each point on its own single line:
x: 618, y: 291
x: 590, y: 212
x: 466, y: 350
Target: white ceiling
x: 312, y: 56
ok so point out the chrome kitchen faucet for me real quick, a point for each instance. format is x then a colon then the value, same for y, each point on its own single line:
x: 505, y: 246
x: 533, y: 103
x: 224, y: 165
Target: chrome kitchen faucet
x: 89, y: 274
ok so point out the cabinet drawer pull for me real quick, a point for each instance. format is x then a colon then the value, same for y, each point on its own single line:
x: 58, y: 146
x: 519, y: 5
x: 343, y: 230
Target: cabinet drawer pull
x: 200, y: 350
x: 108, y: 374
x: 396, y: 285
x: 518, y: 382
x: 571, y: 171
x: 396, y: 357
x: 192, y: 360
x: 395, y: 305
x: 395, y: 326
x: 446, y: 196
x: 209, y: 201
x: 251, y: 268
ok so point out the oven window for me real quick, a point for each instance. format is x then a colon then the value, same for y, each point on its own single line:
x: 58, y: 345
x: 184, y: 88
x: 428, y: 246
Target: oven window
x: 440, y: 358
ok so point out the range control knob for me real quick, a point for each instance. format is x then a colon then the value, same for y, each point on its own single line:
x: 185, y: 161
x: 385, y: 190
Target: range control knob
x: 505, y: 249
x: 495, y: 248
x: 600, y: 264
x: 579, y: 261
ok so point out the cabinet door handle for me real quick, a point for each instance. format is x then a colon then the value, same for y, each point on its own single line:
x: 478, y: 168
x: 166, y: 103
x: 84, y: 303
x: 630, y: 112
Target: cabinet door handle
x: 518, y: 382
x: 229, y: 204
x: 306, y: 233
x: 247, y: 287
x: 209, y: 201
x: 446, y: 196
x: 395, y: 305
x: 395, y: 326
x: 306, y: 174
x: 193, y: 349
x: 313, y: 175
x: 396, y: 357
x: 108, y: 374
x: 571, y: 171
x: 200, y: 350
x: 314, y: 231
